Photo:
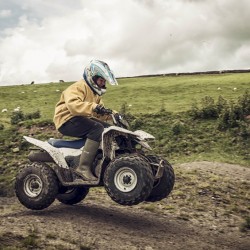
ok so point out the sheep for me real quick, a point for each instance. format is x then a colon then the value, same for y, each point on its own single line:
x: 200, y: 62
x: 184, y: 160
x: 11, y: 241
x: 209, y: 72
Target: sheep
x: 4, y: 110
x: 17, y: 109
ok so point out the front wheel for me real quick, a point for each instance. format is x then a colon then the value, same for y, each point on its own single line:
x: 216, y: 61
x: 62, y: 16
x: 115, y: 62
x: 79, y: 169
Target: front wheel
x: 36, y: 186
x: 128, y: 180
x: 164, y: 185
x: 73, y: 195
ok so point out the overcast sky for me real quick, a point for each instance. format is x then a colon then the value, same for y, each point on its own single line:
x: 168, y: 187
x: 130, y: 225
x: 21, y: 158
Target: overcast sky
x: 45, y: 41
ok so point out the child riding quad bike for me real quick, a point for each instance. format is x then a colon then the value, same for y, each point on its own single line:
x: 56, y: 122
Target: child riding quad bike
x: 122, y: 165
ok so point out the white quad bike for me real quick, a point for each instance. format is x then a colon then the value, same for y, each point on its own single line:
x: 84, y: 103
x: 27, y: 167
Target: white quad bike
x: 121, y: 165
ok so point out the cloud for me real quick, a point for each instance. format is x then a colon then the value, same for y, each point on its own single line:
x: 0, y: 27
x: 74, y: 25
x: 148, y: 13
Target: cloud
x: 5, y: 13
x: 48, y: 41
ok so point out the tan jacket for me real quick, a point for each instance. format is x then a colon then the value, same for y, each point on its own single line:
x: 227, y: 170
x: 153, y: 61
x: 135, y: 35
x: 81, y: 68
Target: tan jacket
x: 77, y: 100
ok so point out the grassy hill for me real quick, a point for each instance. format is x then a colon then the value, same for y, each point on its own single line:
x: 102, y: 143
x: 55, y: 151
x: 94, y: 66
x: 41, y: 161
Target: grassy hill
x: 163, y: 106
x: 144, y: 94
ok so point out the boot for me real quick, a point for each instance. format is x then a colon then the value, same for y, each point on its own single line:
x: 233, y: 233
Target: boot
x: 86, y: 160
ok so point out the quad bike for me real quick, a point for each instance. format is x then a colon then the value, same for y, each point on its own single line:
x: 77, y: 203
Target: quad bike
x: 121, y: 165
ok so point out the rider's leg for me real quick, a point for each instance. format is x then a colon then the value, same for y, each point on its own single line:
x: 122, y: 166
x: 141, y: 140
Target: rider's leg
x: 86, y: 160
x: 92, y: 129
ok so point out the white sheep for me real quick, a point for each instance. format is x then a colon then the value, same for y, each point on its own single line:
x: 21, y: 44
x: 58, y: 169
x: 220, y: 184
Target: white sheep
x: 17, y: 109
x: 4, y: 110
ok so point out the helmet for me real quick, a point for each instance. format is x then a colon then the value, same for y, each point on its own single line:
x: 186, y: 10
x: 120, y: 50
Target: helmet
x: 97, y: 69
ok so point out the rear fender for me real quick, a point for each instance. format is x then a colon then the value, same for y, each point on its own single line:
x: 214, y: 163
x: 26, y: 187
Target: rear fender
x: 55, y: 153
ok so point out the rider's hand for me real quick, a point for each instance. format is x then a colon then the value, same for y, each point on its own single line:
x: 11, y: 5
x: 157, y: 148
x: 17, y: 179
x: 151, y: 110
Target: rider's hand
x: 101, y: 110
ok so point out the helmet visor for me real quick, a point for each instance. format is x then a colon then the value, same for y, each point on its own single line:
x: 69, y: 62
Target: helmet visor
x: 102, y: 69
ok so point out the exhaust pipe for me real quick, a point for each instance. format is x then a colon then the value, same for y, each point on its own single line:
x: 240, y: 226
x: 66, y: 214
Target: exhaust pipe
x: 41, y: 156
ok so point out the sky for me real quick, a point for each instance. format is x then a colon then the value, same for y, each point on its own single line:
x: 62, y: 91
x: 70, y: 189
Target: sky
x: 47, y: 41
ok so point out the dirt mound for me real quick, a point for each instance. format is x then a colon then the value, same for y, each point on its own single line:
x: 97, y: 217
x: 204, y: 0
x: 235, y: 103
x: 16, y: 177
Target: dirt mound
x: 201, y: 213
x: 235, y: 172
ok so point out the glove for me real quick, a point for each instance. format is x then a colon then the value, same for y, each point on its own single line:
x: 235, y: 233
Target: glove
x: 101, y: 110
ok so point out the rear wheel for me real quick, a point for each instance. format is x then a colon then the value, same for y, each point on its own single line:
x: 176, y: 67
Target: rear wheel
x: 73, y: 195
x: 164, y: 185
x: 128, y: 180
x: 36, y: 186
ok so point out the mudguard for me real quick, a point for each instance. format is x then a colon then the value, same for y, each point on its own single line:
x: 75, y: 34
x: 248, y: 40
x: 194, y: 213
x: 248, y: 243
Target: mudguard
x: 144, y: 135
x: 109, y: 133
x: 55, y: 153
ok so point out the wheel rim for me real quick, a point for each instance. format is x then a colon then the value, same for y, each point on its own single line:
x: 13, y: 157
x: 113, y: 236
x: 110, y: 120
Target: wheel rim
x: 125, y: 179
x: 33, y: 185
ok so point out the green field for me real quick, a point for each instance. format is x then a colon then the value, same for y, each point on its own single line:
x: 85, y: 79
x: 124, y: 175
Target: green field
x: 158, y: 105
x: 142, y: 94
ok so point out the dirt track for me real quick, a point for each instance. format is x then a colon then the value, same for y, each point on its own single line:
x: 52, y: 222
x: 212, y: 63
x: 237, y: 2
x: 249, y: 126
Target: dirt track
x: 99, y: 223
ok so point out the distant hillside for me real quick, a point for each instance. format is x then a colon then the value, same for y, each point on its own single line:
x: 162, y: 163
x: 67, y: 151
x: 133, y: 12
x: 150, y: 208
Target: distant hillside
x: 197, y: 73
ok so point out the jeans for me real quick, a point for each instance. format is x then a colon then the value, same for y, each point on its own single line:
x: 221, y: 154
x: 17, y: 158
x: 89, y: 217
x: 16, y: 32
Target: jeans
x: 83, y: 127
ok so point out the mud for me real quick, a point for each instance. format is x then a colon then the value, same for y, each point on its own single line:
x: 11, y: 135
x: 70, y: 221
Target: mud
x: 100, y: 223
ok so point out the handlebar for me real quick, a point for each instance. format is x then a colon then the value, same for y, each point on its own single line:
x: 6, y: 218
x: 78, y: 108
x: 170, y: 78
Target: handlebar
x: 116, y: 117
x: 119, y: 121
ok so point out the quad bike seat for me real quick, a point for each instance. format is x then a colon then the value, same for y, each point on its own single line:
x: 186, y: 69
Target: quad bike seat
x: 59, y: 143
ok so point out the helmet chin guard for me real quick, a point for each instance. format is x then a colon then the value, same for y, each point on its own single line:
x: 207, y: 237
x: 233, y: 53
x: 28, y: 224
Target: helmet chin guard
x: 101, y: 69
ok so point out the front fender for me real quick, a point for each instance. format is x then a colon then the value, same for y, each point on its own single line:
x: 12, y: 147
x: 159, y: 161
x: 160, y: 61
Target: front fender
x: 109, y: 146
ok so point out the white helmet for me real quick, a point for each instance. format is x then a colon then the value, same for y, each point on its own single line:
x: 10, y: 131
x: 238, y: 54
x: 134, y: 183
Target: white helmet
x: 97, y: 69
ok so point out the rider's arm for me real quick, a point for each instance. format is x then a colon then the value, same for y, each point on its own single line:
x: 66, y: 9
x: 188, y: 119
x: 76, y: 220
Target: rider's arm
x: 80, y: 100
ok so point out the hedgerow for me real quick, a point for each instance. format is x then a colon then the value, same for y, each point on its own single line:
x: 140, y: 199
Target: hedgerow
x: 228, y: 114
